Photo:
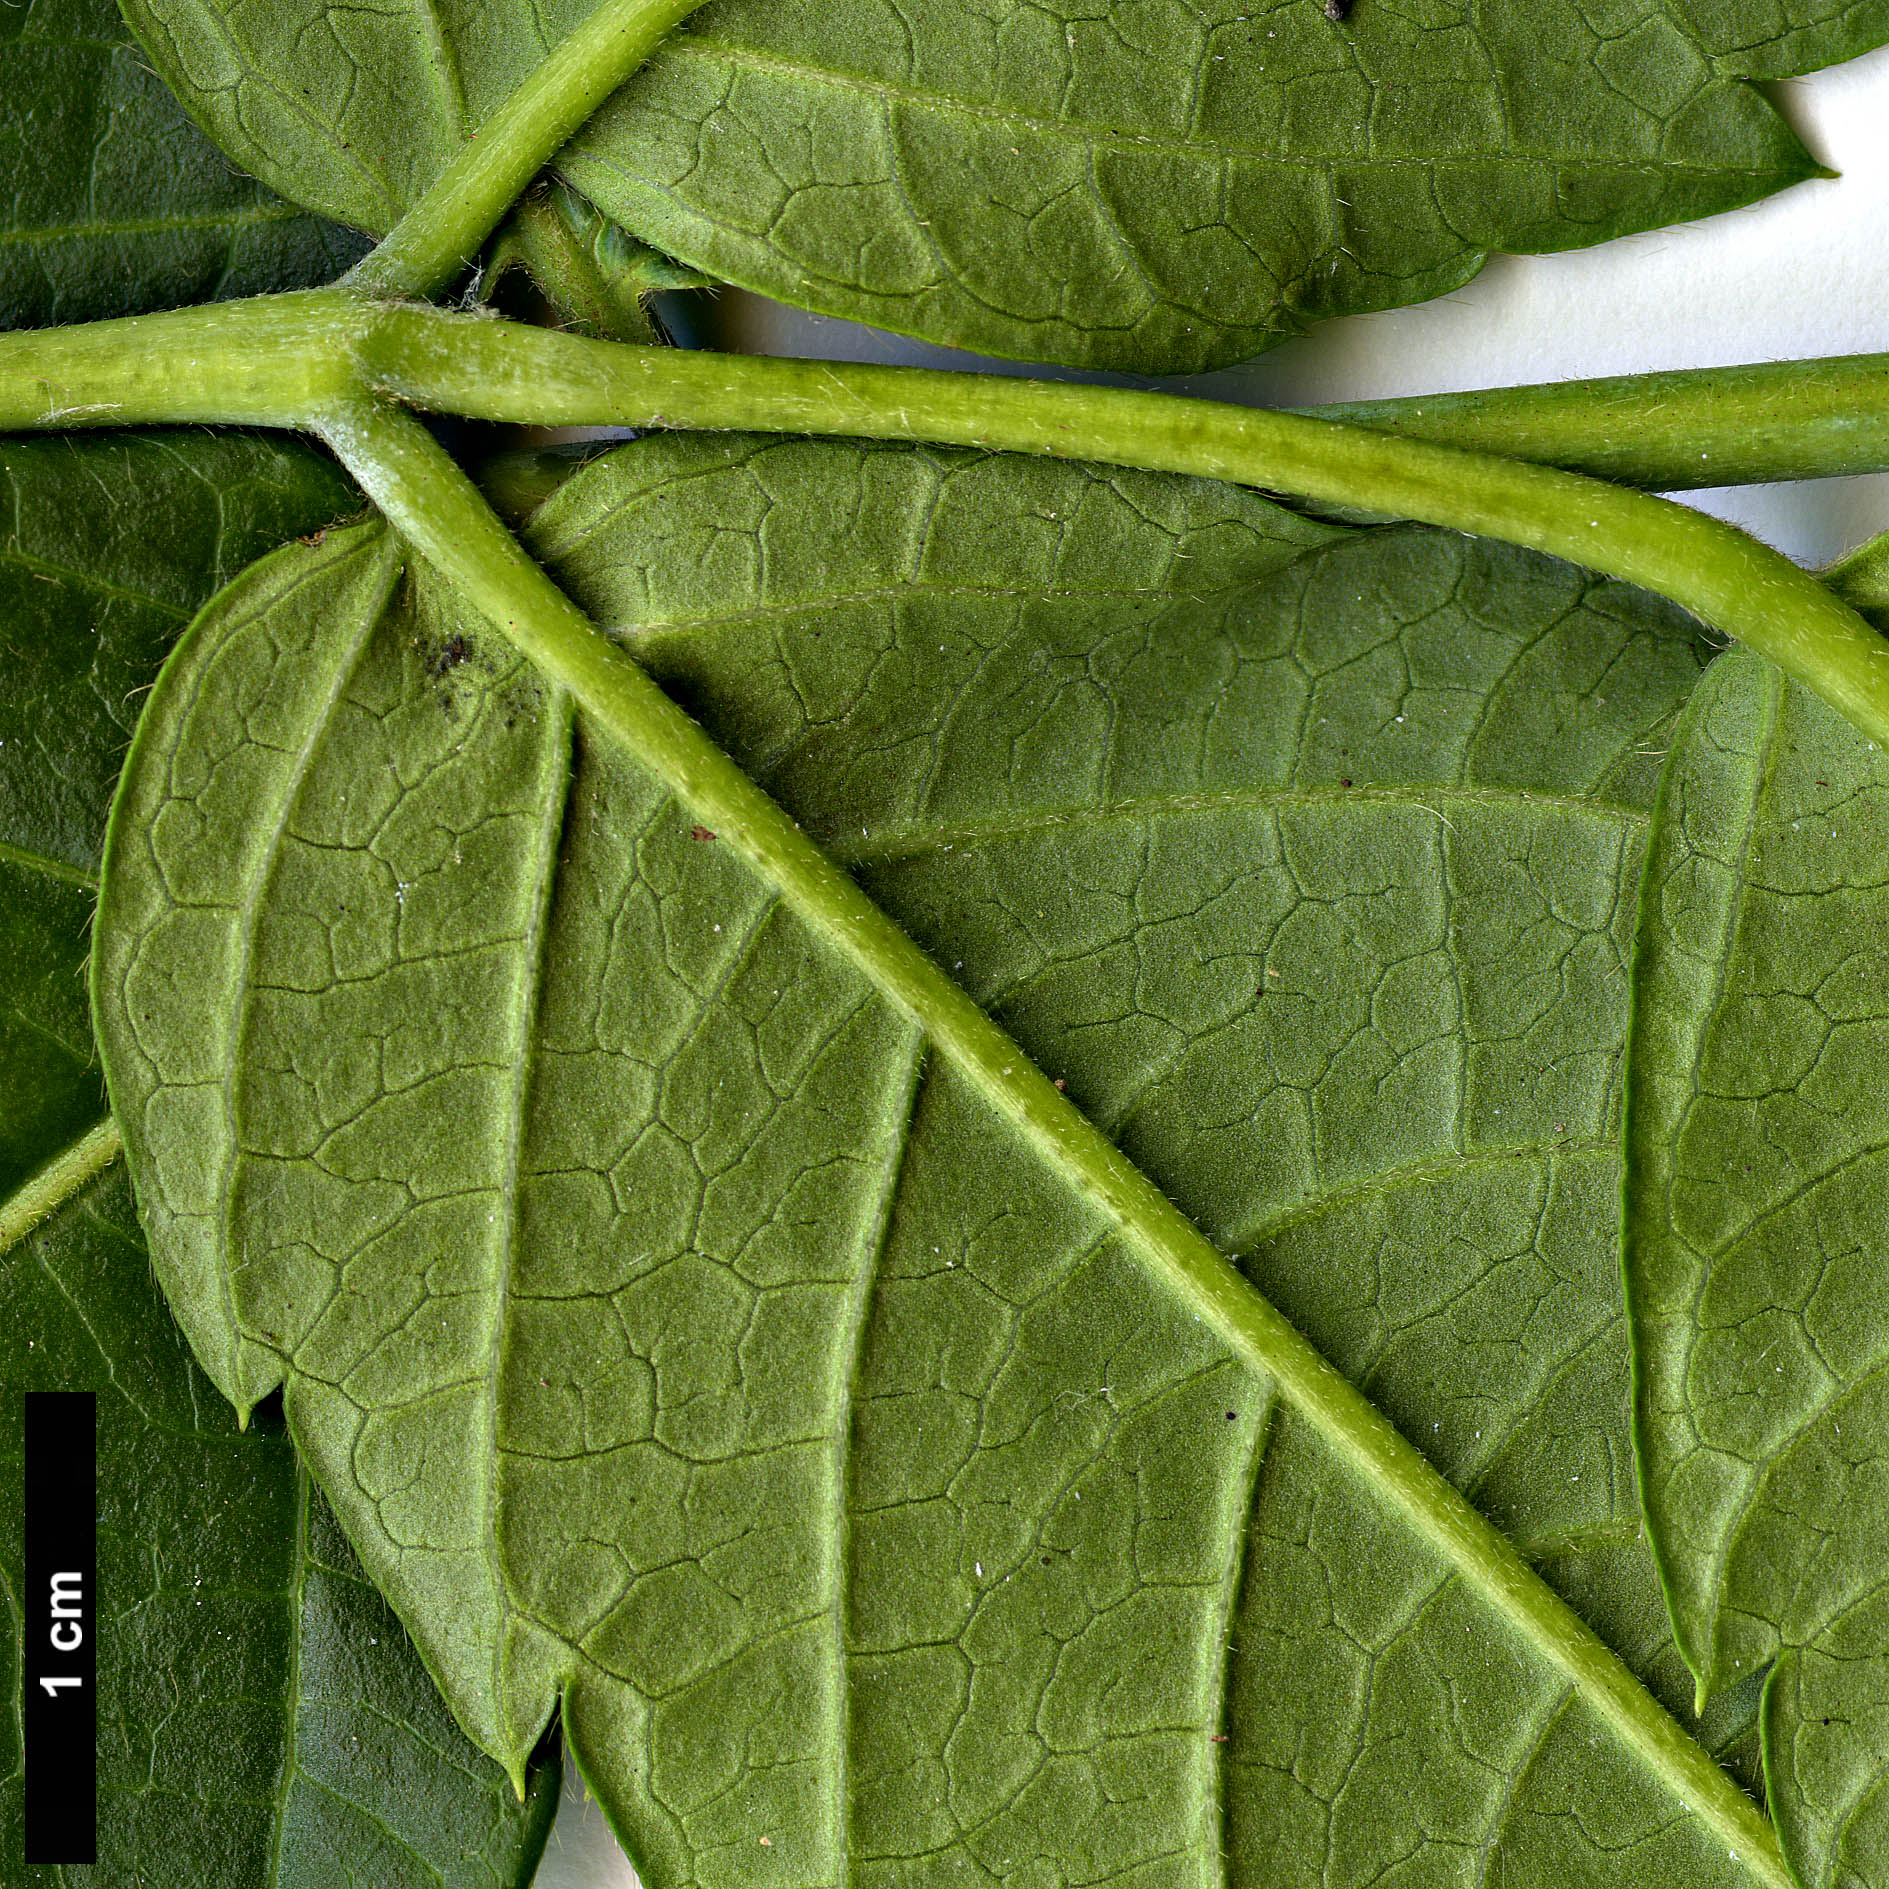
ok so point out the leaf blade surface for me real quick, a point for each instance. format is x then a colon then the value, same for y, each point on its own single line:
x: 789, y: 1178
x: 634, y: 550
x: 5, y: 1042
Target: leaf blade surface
x: 119, y: 204
x: 1755, y: 1183
x: 1157, y: 190
x: 263, y: 1719
x: 839, y: 1458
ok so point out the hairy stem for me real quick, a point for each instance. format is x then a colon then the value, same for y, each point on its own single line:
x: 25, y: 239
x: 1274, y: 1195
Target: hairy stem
x: 432, y: 503
x: 296, y: 359
x: 62, y: 1177
x: 276, y: 360
x: 441, y: 234
x: 1725, y: 578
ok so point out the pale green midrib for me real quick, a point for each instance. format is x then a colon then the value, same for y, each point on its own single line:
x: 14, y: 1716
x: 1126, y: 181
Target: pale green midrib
x: 243, y: 981
x: 696, y: 46
x: 470, y: 195
x: 435, y: 505
x: 298, y: 1601
x: 154, y: 225
x: 561, y: 720
x: 659, y: 629
x: 61, y: 575
x: 445, y: 70
x: 1232, y: 1593
x: 49, y: 868
x: 859, y: 1312
x: 915, y: 842
x: 41, y: 1196
x: 1702, y: 1663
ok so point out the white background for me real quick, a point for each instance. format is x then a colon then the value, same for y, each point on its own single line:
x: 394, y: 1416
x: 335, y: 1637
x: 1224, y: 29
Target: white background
x: 1804, y: 273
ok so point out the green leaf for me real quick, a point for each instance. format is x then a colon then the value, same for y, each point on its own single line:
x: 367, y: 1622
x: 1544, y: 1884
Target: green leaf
x: 115, y: 202
x: 681, y: 1340
x: 1759, y: 1177
x: 1159, y: 189
x: 107, y: 547
x: 263, y: 1719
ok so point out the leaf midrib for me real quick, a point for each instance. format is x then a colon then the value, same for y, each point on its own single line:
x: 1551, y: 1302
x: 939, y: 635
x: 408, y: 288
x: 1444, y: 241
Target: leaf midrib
x: 447, y: 523
x: 268, y: 861
x: 47, y: 867
x: 46, y: 1191
x: 917, y: 841
x: 1197, y: 1275
x: 1705, y: 1662
x: 700, y: 47
x: 560, y: 714
x: 150, y: 225
x: 852, y: 1354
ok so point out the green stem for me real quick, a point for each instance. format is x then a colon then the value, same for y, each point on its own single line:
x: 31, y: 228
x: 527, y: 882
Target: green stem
x: 294, y: 360
x: 432, y: 503
x: 442, y: 233
x: 277, y: 360
x: 1667, y: 432
x: 1725, y: 578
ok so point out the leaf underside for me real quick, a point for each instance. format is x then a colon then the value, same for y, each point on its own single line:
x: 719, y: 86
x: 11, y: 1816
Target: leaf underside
x: 1759, y: 1187
x: 1154, y: 188
x: 680, y: 1339
x: 263, y: 1718
x: 115, y: 202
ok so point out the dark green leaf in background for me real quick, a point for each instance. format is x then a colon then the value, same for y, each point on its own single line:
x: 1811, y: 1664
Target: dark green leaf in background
x: 1153, y: 187
x: 1759, y: 1162
x: 681, y: 1338
x: 113, y: 202
x: 263, y: 1720
x: 107, y: 547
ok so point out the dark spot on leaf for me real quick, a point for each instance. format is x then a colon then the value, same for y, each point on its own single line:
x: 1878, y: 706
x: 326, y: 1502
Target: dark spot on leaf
x: 450, y: 654
x: 700, y: 833
x: 1336, y: 10
x: 1344, y: 783
x: 1231, y: 1414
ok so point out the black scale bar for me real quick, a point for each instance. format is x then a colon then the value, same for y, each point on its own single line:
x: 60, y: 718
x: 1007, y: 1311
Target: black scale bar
x: 60, y: 1670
